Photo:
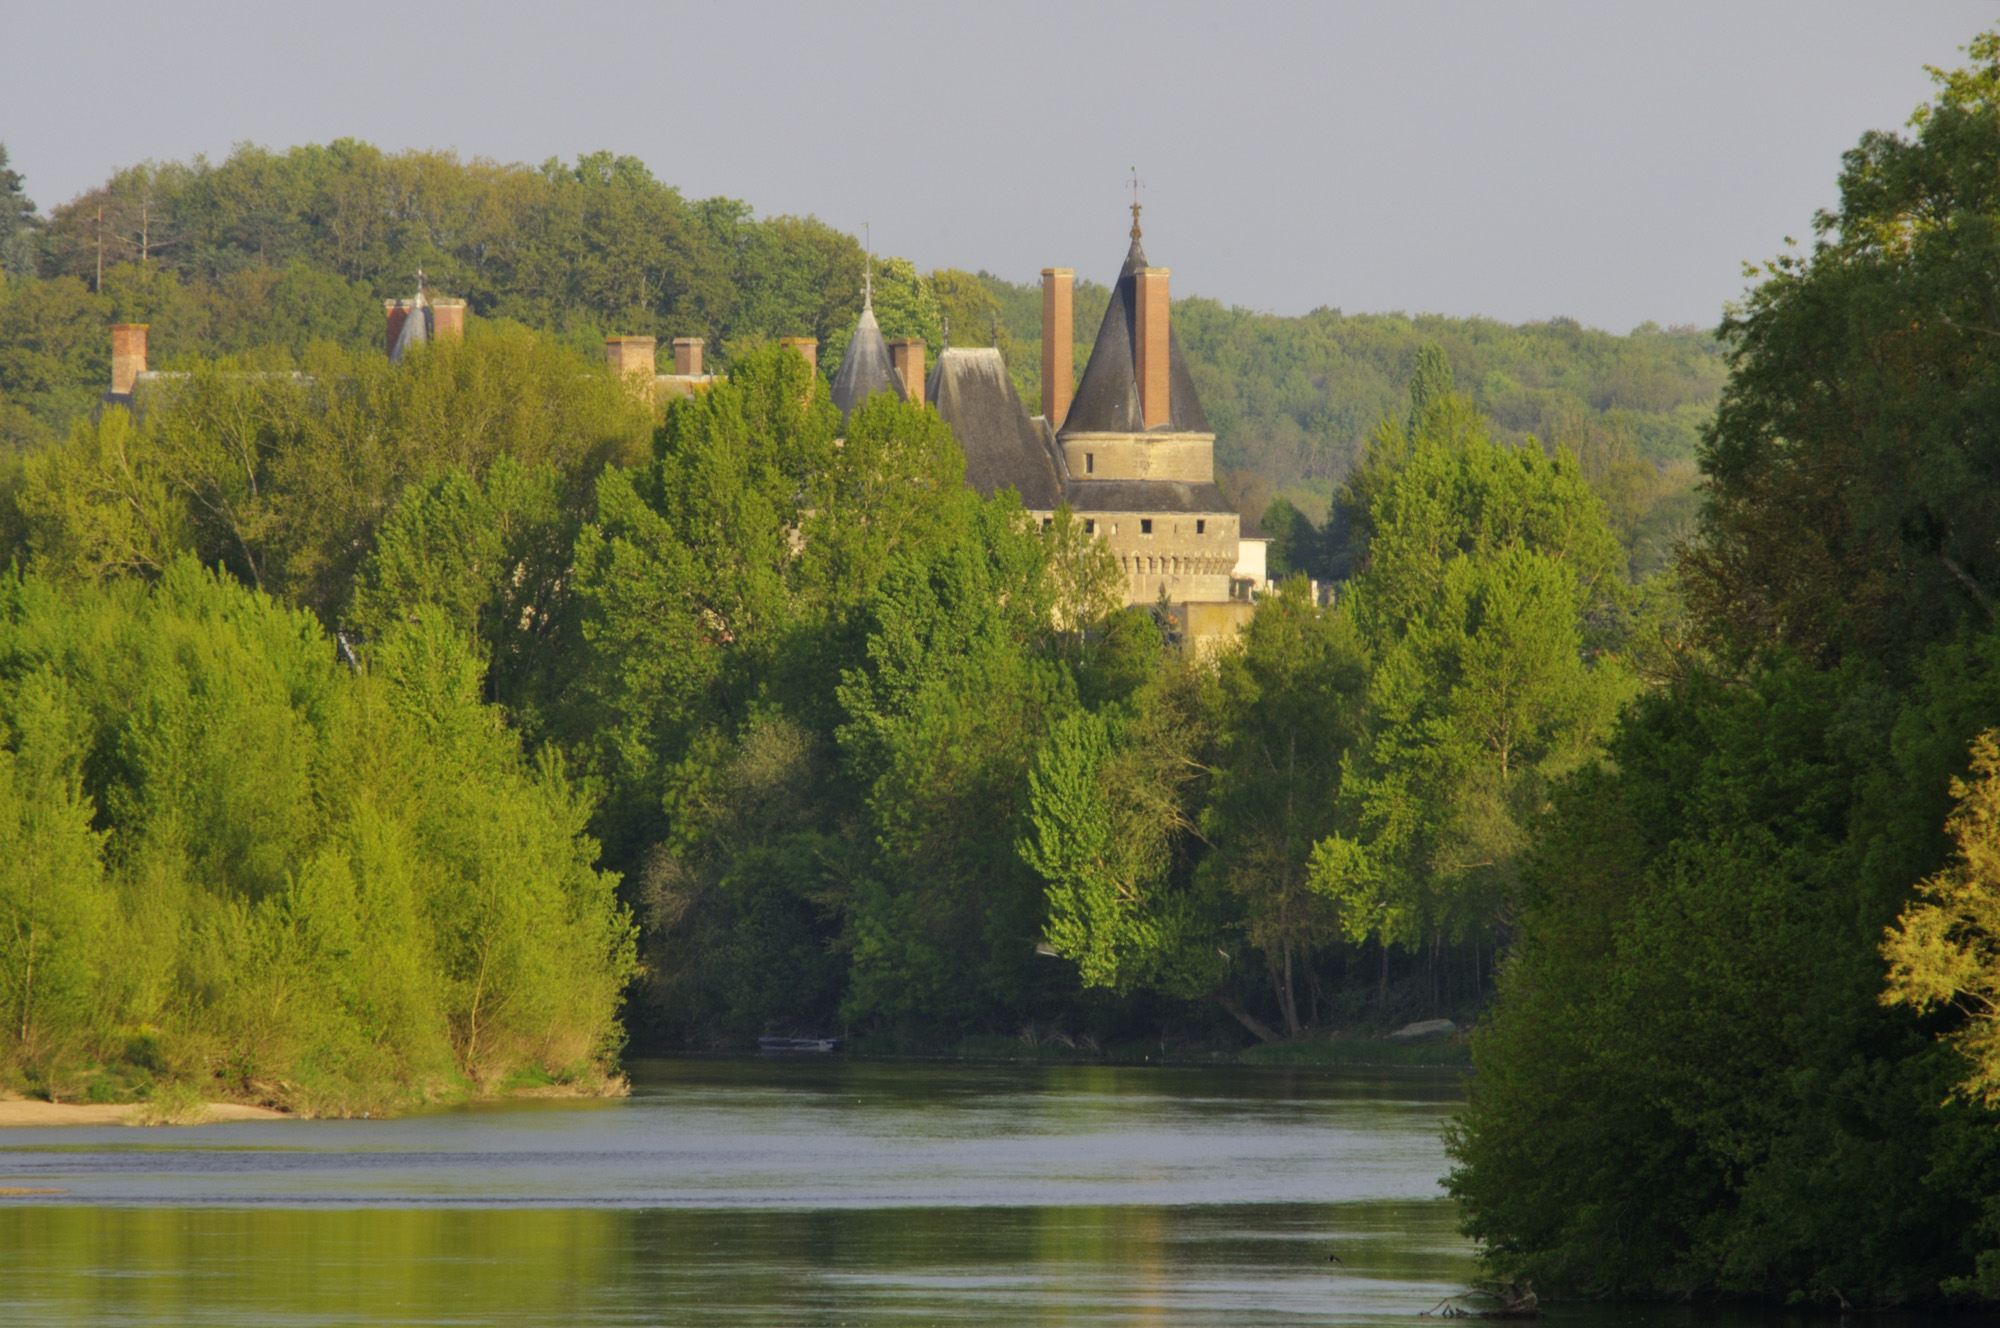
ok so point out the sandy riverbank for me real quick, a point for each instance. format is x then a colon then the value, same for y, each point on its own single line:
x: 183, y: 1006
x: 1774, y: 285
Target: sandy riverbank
x: 17, y: 1111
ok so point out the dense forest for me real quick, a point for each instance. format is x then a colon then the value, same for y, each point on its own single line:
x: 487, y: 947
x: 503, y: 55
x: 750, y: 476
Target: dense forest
x: 375, y: 733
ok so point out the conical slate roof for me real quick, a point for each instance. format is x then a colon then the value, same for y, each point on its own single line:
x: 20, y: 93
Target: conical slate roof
x: 1003, y: 447
x: 416, y: 329
x: 866, y: 368
x: 1107, y: 398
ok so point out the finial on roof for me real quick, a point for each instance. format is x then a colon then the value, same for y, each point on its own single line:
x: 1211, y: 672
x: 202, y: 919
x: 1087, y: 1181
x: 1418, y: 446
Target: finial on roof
x: 1135, y: 203
x: 868, y: 272
x: 946, y: 320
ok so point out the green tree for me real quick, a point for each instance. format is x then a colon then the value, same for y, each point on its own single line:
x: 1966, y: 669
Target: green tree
x: 1287, y: 707
x: 284, y: 478
x: 18, y: 221
x: 1490, y: 570
x: 943, y: 720
x: 492, y: 555
x: 1481, y: 702
x: 1695, y: 1076
x: 1847, y: 510
x: 333, y: 891
x: 1430, y: 383
x: 1112, y: 801
x: 1942, y: 951
x: 55, y: 905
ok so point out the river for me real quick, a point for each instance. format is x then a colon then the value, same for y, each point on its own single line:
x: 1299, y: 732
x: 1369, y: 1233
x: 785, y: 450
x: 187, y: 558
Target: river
x: 746, y: 1191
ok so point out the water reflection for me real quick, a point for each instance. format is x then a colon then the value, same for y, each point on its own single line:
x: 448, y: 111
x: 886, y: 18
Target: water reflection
x: 759, y: 1193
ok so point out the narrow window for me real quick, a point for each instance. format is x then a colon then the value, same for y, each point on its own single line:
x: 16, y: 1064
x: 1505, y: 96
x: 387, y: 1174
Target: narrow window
x: 1201, y: 527
x: 1146, y: 525
x: 1090, y: 527
x: 1090, y: 463
x: 1047, y: 522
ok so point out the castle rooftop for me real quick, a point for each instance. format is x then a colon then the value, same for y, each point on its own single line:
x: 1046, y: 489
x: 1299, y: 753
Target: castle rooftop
x: 1107, y: 398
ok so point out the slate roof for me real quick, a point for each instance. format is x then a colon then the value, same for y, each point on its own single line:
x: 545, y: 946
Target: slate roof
x: 416, y: 329
x: 1146, y: 496
x: 1003, y: 447
x: 1107, y: 398
x: 865, y: 368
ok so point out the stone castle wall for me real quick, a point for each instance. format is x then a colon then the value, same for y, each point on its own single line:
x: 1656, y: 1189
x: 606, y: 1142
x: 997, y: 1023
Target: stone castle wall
x: 1187, y: 457
x: 1189, y: 563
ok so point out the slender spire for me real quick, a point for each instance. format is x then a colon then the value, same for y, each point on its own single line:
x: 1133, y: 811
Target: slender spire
x: 1135, y: 205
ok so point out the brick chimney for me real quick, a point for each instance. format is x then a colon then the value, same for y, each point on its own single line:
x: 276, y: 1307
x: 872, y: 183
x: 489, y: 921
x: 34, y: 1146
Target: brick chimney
x: 687, y: 356
x: 448, y: 320
x: 1058, y: 343
x: 907, y: 354
x: 631, y: 355
x: 128, y: 356
x: 1149, y: 345
x: 805, y: 346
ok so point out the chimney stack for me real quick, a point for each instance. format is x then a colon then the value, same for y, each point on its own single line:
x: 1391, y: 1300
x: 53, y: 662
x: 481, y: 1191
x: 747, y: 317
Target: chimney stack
x: 1058, y: 343
x: 128, y: 356
x: 687, y: 356
x: 448, y: 320
x: 631, y: 355
x: 1149, y: 350
x: 907, y: 354
x: 808, y: 347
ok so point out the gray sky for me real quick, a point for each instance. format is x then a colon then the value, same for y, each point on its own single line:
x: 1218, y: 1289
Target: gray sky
x: 1608, y: 162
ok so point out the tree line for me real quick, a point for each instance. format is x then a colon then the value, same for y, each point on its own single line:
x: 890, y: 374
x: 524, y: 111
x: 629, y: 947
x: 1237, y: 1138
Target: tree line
x: 270, y: 252
x: 822, y: 698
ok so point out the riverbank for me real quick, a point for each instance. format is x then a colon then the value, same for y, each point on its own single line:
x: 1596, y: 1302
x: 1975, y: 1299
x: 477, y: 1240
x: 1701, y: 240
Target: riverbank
x: 178, y: 1102
x: 28, y: 1113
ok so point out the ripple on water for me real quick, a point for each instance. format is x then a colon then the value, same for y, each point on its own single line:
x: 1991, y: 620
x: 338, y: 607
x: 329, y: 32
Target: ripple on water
x: 728, y: 1191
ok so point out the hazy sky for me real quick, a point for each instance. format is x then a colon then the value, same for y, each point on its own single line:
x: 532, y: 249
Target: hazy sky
x: 1609, y: 162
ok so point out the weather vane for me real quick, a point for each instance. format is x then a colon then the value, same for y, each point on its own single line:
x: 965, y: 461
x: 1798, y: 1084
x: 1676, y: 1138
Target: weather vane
x: 1135, y: 202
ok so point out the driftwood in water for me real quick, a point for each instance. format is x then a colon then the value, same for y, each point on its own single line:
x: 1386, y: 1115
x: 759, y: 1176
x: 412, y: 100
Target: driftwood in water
x: 1508, y: 1300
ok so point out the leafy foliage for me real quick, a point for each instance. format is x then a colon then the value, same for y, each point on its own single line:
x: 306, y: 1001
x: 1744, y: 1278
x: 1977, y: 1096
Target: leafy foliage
x: 1942, y: 951
x: 1855, y: 445
x: 284, y: 477
x: 1696, y: 1078
x: 324, y: 890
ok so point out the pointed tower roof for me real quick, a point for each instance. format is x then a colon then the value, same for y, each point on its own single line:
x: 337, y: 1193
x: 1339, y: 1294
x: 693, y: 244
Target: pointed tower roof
x: 1107, y: 397
x: 865, y: 368
x: 416, y: 329
x: 1003, y: 447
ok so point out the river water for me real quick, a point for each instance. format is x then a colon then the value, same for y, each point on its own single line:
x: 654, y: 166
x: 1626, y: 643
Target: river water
x: 742, y: 1191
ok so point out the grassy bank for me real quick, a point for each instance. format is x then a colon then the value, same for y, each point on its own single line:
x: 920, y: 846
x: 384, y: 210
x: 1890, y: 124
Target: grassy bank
x: 160, y: 1096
